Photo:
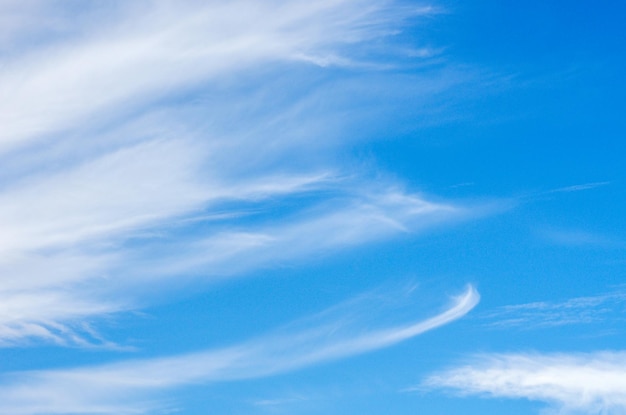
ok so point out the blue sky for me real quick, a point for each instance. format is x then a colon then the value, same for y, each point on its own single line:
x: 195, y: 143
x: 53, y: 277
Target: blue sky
x: 290, y: 207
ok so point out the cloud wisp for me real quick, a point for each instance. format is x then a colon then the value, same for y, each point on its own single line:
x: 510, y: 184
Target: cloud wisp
x: 135, y: 54
x: 133, y: 386
x: 110, y: 141
x: 358, y: 220
x: 549, y: 314
x: 578, y: 187
x: 585, y: 383
x: 46, y: 292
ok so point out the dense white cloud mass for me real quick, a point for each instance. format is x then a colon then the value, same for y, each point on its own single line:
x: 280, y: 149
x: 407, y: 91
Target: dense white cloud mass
x: 585, y: 383
x: 133, y: 386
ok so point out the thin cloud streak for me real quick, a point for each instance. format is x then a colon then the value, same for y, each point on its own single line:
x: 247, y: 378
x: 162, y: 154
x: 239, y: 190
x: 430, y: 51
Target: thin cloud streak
x: 593, y: 383
x: 130, y: 387
x: 96, y: 281
x: 579, y: 187
x: 364, y: 219
x: 550, y: 314
x: 53, y: 315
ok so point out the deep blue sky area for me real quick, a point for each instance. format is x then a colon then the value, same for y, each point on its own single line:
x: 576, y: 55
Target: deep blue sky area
x: 332, y: 207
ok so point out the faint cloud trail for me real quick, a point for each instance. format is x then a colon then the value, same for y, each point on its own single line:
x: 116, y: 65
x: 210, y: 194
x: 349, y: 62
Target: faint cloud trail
x: 550, y: 314
x: 132, y: 386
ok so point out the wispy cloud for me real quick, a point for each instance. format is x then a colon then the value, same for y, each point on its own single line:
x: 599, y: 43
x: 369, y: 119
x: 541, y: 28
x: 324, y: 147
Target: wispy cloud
x: 49, y: 315
x: 132, y: 386
x: 591, y: 383
x: 565, y: 189
x: 578, y: 187
x: 358, y: 220
x: 280, y: 401
x: 546, y: 314
x: 131, y: 55
x: 577, y: 237
x: 128, y: 189
x: 44, y: 289
x: 134, y: 135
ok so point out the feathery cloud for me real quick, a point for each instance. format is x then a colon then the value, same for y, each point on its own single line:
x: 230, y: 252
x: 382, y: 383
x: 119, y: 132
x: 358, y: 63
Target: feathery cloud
x: 547, y: 314
x: 107, y: 149
x: 591, y: 383
x: 146, y: 51
x: 132, y: 386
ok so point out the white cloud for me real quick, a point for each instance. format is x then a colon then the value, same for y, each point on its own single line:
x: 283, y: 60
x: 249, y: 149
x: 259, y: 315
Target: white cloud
x: 590, y: 383
x: 280, y: 401
x: 132, y: 386
x: 44, y: 289
x: 105, y: 168
x: 52, y: 315
x: 142, y: 52
x: 121, y: 191
x: 548, y: 314
x: 108, y: 155
x: 360, y: 220
x: 116, y: 192
x: 579, y: 187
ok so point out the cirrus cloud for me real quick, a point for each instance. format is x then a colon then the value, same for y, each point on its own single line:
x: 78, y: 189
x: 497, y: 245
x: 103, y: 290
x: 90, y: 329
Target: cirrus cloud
x: 577, y: 383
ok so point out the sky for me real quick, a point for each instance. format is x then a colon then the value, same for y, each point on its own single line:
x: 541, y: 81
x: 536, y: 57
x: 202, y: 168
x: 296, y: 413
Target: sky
x: 333, y: 207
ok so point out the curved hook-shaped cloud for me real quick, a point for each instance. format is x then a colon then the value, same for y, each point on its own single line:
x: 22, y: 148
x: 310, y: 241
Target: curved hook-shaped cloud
x: 130, y: 386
